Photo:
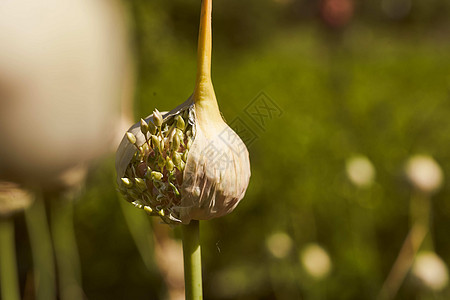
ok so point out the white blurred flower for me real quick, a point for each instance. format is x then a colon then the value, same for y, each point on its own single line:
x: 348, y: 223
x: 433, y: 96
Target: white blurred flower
x: 424, y: 173
x: 431, y: 270
x: 315, y: 261
x: 360, y: 171
x: 279, y: 244
x: 62, y: 66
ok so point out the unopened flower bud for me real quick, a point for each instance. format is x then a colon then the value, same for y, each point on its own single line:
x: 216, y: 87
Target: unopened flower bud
x: 157, y: 117
x: 151, y: 127
x: 131, y: 138
x: 176, y: 158
x: 148, y: 173
x: 182, y: 165
x: 180, y: 122
x: 176, y: 142
x: 185, y: 155
x: 155, y: 142
x: 140, y: 183
x: 156, y: 175
x: 126, y: 182
x: 169, y: 164
x: 144, y: 127
x: 180, y: 135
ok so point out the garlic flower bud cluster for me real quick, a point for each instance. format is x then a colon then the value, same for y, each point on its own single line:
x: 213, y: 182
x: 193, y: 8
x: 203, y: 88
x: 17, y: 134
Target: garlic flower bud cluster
x: 155, y: 172
x: 187, y: 164
x: 173, y: 168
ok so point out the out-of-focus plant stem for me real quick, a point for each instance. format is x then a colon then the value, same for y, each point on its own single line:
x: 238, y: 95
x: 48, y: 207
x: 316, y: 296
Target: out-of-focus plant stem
x: 8, y: 265
x: 66, y: 250
x: 140, y: 228
x: 192, y: 261
x: 42, y: 251
x: 420, y: 227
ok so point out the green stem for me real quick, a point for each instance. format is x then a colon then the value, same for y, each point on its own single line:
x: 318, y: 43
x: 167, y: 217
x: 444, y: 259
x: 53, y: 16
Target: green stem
x: 206, y: 107
x: 66, y: 250
x: 192, y: 261
x: 8, y: 267
x: 42, y: 251
x: 204, y: 43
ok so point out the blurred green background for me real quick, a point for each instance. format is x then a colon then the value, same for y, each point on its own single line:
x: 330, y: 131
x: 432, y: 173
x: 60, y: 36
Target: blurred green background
x: 364, y: 79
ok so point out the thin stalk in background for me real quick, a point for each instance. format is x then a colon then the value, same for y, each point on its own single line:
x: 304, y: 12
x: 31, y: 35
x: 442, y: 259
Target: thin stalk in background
x: 66, y: 249
x: 8, y: 263
x: 192, y: 261
x: 42, y: 251
x: 140, y: 229
x: 420, y: 219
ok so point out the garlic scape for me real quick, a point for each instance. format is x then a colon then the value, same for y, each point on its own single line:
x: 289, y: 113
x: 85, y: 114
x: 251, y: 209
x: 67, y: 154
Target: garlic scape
x: 186, y: 164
